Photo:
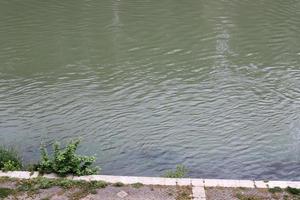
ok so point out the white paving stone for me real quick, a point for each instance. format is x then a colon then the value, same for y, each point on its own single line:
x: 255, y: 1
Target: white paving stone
x: 130, y: 179
x: 17, y: 174
x: 198, y: 193
x: 246, y: 183
x: 172, y: 181
x: 82, y: 178
x: 295, y: 184
x: 281, y: 184
x: 261, y: 184
x: 152, y: 180
x: 228, y: 183
x: 50, y: 176
x: 183, y: 181
x: 109, y: 179
x: 197, y: 182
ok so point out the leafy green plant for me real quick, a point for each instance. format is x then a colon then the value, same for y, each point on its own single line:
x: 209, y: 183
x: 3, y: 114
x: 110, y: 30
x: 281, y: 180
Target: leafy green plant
x: 179, y: 172
x: 9, y: 159
x: 10, y: 166
x: 65, y: 161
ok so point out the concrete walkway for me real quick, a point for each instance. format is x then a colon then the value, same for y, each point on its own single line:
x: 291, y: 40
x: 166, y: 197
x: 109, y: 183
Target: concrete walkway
x: 197, y: 184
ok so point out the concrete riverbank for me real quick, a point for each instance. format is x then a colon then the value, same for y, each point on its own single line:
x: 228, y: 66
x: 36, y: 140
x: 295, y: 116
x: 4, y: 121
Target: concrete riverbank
x: 200, y: 188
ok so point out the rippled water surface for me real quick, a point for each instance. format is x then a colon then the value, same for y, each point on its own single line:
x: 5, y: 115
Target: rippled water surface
x: 146, y: 84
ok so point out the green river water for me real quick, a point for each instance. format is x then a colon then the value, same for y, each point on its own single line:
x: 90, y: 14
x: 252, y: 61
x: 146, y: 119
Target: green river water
x: 147, y: 84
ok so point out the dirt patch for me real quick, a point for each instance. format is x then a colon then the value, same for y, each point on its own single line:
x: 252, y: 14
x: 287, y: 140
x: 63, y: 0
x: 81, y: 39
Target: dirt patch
x: 46, y: 189
x: 220, y: 193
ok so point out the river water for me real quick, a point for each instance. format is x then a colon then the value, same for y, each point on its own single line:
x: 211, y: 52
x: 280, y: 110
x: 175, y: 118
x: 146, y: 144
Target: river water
x: 147, y: 85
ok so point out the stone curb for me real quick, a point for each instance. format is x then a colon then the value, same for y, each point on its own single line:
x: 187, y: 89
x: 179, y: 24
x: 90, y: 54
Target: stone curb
x: 162, y: 181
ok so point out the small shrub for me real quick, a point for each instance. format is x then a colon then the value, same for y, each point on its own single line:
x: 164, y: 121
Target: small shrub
x: 65, y: 161
x: 179, y: 172
x: 9, y: 159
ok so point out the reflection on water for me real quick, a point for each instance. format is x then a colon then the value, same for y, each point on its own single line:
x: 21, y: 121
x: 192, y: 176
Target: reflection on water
x: 213, y: 85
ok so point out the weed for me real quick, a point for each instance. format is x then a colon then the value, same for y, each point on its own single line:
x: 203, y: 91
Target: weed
x: 184, y: 193
x: 179, y: 172
x: 275, y: 190
x: 293, y: 191
x: 65, y: 161
x: 246, y: 197
x: 118, y: 184
x: 137, y: 185
x: 285, y: 197
x: 93, y: 191
x: 97, y: 184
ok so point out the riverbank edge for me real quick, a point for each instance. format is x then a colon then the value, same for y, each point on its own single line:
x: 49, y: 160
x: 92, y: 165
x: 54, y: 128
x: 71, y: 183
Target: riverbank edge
x: 198, y: 185
x: 196, y: 182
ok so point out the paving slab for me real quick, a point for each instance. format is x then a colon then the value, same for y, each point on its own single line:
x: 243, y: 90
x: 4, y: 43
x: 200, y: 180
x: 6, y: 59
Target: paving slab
x: 184, y: 181
x: 261, y: 184
x: 198, y: 193
x: 228, y: 183
x: 197, y: 182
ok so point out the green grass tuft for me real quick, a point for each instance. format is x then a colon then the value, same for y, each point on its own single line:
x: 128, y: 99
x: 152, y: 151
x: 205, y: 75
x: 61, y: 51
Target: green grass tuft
x: 293, y: 191
x: 5, y: 192
x: 246, y: 197
x: 179, y: 172
x: 275, y: 190
x: 137, y: 185
x: 118, y: 184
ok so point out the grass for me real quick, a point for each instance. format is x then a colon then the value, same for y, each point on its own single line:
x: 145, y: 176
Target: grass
x: 293, y: 191
x: 183, y: 193
x: 137, y: 185
x: 5, y: 192
x: 35, y: 184
x: 275, y: 190
x: 246, y: 197
x: 118, y: 184
x: 179, y: 172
